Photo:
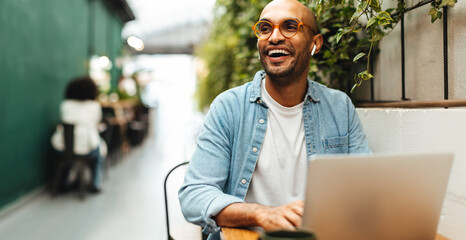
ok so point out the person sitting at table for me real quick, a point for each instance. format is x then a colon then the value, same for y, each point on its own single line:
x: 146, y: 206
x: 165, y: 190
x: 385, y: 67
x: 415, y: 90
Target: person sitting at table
x: 250, y: 164
x: 81, y: 109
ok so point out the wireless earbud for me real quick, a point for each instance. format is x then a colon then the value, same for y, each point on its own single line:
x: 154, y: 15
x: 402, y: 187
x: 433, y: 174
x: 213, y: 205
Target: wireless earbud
x: 313, y: 50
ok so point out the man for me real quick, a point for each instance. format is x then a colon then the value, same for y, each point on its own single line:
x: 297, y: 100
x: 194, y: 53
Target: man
x: 249, y: 168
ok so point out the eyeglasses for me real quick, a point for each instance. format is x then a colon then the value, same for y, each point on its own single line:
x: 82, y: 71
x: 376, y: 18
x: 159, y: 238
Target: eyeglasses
x: 288, y: 28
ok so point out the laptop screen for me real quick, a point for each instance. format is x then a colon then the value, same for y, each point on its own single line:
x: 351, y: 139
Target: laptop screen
x: 376, y: 196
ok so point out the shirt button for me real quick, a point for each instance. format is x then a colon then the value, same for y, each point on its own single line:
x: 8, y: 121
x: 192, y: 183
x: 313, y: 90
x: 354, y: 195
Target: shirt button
x: 243, y: 181
x: 261, y: 121
x: 254, y: 149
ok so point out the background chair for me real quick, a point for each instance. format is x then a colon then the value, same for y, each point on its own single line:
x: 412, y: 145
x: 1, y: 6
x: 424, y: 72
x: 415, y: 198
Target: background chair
x: 169, y: 237
x: 106, y: 133
x: 69, y: 159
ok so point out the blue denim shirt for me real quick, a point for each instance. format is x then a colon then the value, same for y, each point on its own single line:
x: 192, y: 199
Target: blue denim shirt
x: 229, y: 143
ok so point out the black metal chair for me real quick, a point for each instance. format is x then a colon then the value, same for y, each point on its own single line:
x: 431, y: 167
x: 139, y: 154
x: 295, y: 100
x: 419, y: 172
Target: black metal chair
x: 68, y: 159
x: 106, y: 132
x: 165, y: 195
x: 204, y: 237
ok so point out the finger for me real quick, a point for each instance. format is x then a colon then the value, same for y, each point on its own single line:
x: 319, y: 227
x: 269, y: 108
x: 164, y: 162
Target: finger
x: 297, y: 207
x: 298, y: 210
x: 293, y: 218
x: 278, y: 222
x: 285, y: 224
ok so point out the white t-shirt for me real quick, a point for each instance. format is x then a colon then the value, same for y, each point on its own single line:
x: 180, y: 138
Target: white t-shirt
x: 280, y: 174
x: 85, y: 115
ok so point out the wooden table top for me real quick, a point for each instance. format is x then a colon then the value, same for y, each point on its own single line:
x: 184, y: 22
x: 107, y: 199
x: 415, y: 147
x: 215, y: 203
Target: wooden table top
x: 245, y: 234
x: 239, y: 233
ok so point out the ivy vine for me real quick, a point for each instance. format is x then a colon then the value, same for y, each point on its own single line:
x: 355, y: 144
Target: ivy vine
x: 351, y: 30
x: 380, y: 22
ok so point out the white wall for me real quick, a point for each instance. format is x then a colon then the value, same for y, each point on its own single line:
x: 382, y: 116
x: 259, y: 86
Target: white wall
x: 423, y: 130
x: 424, y: 58
x: 419, y: 130
x: 430, y: 130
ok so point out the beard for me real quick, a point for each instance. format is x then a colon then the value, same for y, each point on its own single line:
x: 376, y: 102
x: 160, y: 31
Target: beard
x: 277, y: 71
x: 287, y: 74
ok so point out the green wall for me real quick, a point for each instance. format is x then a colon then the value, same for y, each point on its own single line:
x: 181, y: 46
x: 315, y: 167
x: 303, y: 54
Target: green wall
x: 43, y: 44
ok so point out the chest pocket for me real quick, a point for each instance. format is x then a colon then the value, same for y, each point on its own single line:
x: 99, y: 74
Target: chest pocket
x: 335, y: 144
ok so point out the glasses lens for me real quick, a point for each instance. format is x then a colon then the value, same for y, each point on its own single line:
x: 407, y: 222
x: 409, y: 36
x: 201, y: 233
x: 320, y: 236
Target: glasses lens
x: 289, y: 27
x: 263, y: 29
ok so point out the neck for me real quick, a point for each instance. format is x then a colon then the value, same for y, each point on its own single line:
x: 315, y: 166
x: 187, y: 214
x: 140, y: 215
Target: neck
x: 287, y: 92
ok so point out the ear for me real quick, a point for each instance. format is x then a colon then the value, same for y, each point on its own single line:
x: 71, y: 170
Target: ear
x: 318, y: 41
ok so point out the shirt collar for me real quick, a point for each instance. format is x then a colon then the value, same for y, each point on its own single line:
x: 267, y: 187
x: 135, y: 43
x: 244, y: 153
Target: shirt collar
x: 256, y: 89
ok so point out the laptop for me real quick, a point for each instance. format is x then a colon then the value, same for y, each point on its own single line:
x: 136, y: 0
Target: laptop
x: 376, y: 197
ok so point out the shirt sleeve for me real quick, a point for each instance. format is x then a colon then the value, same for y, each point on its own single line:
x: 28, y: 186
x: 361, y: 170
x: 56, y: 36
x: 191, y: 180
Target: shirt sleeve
x: 356, y: 137
x: 202, y: 195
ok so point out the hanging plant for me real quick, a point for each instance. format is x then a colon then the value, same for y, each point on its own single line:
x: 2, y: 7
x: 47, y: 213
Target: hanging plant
x: 379, y: 22
x: 351, y: 30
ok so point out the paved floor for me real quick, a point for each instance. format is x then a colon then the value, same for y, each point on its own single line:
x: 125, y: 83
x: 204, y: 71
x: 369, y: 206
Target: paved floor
x: 131, y: 205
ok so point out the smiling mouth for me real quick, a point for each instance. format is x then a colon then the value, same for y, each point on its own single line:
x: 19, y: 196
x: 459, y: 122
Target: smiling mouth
x: 278, y: 53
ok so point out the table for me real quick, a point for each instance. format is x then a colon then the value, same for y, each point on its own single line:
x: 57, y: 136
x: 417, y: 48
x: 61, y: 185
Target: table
x: 245, y: 234
x: 118, y: 114
x: 239, y: 233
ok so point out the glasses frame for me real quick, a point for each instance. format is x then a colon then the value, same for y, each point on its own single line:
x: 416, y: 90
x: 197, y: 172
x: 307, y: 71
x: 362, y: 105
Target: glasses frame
x: 279, y: 28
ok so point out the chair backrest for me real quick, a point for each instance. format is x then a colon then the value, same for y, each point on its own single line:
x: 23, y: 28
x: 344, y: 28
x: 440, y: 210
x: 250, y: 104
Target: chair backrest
x: 69, y: 139
x: 165, y: 191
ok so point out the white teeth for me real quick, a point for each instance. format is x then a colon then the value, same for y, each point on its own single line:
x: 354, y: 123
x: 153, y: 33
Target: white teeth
x: 278, y: 51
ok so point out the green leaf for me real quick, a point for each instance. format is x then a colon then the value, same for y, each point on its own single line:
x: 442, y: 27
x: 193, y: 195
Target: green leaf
x: 371, y: 21
x: 365, y: 75
x: 327, y: 54
x: 324, y: 31
x: 375, y: 5
x: 389, y: 10
x: 355, y: 15
x: 363, y: 5
x: 401, y: 5
x: 377, y: 35
x: 433, y: 14
x: 357, y: 30
x: 384, y: 18
x: 447, y: 3
x: 439, y: 14
x: 384, y: 15
x: 343, y: 55
x: 341, y: 32
x: 383, y: 22
x: 369, y: 76
x: 318, y: 10
x: 360, y: 55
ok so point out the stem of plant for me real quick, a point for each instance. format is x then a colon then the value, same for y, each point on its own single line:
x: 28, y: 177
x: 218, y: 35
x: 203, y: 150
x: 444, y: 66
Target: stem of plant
x: 369, y: 57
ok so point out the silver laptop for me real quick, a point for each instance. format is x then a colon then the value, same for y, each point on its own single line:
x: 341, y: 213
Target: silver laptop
x: 376, y: 197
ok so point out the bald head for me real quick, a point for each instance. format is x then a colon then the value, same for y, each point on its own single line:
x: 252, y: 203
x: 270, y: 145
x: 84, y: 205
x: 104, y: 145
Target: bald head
x: 286, y: 59
x: 303, y: 12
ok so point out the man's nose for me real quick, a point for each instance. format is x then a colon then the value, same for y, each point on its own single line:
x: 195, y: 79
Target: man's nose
x: 276, y: 36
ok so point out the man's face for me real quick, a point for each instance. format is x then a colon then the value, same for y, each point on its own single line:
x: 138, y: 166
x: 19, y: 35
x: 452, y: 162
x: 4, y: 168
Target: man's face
x: 280, y: 56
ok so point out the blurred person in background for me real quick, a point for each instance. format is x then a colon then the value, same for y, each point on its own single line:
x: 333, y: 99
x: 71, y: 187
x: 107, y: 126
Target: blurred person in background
x: 81, y: 109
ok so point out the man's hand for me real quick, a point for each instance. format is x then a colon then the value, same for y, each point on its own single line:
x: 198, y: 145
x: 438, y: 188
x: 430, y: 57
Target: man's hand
x: 287, y: 216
